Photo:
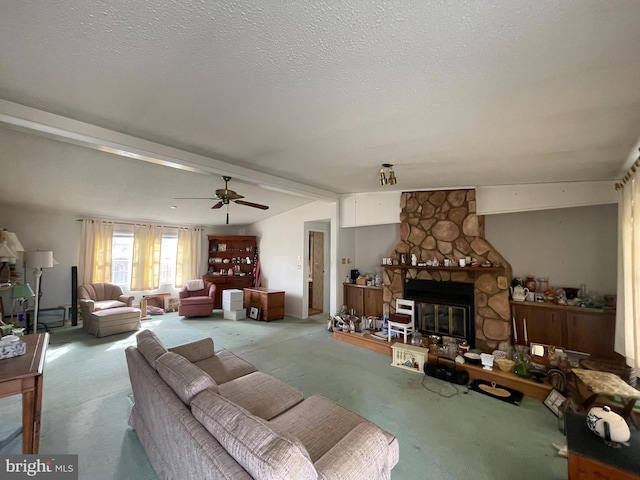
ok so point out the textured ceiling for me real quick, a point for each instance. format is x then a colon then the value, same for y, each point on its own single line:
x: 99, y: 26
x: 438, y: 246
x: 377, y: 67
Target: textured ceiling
x: 452, y: 93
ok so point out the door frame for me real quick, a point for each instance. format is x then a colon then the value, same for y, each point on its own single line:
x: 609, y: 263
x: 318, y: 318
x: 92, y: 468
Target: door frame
x: 325, y: 228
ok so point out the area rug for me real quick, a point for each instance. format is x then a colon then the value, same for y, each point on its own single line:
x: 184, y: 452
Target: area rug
x: 493, y: 390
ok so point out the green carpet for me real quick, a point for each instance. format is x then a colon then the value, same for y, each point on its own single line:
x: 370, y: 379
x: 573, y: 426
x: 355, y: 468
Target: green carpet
x: 444, y: 433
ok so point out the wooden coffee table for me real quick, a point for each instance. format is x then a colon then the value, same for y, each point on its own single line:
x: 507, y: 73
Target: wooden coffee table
x: 24, y: 375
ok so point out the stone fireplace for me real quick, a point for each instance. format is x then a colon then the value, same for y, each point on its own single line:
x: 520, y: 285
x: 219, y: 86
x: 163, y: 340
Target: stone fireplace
x: 444, y: 224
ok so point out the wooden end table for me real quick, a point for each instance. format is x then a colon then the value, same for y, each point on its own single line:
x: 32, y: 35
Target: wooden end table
x: 24, y: 375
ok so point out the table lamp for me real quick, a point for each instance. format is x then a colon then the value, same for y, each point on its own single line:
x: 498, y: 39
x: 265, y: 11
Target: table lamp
x: 22, y: 293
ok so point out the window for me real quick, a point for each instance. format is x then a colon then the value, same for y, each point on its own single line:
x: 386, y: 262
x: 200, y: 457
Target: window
x: 122, y: 258
x: 168, y: 252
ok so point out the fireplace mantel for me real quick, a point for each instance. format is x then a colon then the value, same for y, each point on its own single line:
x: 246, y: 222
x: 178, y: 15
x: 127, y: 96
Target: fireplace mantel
x: 442, y: 268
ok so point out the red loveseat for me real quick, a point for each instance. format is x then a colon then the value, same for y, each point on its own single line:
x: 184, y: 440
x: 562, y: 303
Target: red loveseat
x: 196, y: 303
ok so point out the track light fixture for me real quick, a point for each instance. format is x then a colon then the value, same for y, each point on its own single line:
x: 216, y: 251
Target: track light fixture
x: 390, y: 177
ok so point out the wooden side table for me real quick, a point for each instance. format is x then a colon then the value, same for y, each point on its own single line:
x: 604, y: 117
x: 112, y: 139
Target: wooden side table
x: 25, y: 375
x: 271, y: 302
x: 590, y: 458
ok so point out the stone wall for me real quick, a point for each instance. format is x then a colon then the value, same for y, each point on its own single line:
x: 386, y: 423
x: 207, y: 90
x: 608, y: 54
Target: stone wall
x: 444, y: 224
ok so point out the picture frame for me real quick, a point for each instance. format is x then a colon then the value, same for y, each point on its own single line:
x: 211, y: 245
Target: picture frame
x: 554, y: 401
x: 222, y: 247
x: 254, y: 313
x: 171, y: 303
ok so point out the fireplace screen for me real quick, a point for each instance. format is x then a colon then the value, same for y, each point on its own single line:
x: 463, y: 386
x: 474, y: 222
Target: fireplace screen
x: 443, y: 320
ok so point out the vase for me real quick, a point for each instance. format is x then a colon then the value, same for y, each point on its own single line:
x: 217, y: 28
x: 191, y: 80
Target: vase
x: 542, y: 284
x: 530, y: 283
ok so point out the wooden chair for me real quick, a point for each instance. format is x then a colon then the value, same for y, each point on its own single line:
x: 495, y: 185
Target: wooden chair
x: 405, y: 310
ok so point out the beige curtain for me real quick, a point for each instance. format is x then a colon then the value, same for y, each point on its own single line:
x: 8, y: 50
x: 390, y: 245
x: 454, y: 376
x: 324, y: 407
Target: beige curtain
x: 94, y: 265
x: 627, y: 341
x: 145, y: 270
x: 189, y: 255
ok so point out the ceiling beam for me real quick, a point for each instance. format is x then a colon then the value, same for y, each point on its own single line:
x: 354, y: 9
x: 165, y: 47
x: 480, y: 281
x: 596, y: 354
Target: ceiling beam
x: 40, y: 122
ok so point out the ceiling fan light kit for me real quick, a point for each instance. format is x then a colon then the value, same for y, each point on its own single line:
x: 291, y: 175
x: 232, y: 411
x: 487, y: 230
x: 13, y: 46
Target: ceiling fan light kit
x: 226, y: 196
x: 390, y: 177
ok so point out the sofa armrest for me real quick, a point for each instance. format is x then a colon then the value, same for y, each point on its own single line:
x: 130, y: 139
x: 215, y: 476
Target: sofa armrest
x: 362, y: 453
x: 128, y: 299
x: 183, y: 292
x: 86, y: 306
x: 195, y: 351
x: 212, y: 290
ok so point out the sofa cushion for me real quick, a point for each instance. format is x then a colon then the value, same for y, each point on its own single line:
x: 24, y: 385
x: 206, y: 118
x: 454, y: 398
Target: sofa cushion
x: 196, y: 301
x: 261, y: 395
x: 150, y: 346
x: 106, y: 304
x: 320, y: 423
x: 225, y: 366
x: 262, y: 451
x: 185, y: 379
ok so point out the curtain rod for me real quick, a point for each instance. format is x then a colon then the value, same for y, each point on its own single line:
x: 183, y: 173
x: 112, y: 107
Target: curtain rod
x: 134, y: 224
x: 627, y: 176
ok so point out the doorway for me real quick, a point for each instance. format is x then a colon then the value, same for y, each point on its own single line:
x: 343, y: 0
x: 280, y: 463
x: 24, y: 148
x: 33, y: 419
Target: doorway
x: 316, y: 272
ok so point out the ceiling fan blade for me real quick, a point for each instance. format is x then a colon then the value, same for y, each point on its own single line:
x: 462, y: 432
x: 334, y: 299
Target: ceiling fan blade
x: 254, y: 205
x: 195, y: 198
x: 217, y: 205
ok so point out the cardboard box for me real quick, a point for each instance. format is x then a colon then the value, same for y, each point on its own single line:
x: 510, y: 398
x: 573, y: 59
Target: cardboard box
x: 232, y: 295
x: 361, y: 281
x: 233, y: 305
x: 235, y: 314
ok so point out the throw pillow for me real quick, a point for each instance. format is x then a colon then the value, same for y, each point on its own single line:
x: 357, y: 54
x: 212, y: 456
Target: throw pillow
x: 195, y: 285
x: 185, y: 379
x: 262, y: 450
x: 150, y: 346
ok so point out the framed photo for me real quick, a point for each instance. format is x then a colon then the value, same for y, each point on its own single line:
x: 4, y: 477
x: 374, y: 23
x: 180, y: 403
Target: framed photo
x: 554, y: 401
x: 171, y: 303
x: 254, y: 313
x: 222, y: 247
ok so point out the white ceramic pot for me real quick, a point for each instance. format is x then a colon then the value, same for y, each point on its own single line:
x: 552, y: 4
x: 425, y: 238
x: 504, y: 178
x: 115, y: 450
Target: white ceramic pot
x: 608, y: 425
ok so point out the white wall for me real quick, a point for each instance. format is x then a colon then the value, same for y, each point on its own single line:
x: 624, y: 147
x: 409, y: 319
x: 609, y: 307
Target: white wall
x: 281, y: 241
x: 38, y: 230
x: 379, y: 241
x: 61, y: 232
x: 569, y: 245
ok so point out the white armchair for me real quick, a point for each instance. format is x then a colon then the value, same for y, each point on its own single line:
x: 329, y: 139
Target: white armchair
x: 405, y: 310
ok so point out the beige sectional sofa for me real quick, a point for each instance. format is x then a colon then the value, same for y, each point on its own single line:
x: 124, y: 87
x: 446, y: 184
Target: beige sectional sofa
x: 206, y: 414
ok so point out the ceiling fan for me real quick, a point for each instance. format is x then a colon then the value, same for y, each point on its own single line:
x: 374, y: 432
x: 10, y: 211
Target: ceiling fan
x: 225, y: 196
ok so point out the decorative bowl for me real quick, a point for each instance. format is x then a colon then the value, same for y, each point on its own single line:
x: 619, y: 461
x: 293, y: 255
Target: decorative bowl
x: 504, y: 364
x: 473, y: 358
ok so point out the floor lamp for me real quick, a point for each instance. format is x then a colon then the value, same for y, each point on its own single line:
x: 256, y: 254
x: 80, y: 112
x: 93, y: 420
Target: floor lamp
x: 38, y: 260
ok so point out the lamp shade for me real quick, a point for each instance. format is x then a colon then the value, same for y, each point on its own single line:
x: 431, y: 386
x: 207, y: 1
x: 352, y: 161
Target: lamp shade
x: 39, y: 259
x: 22, y: 291
x: 12, y: 240
x: 6, y: 253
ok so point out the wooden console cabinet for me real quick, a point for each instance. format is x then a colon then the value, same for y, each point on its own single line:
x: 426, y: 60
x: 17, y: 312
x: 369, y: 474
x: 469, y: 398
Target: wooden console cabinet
x: 585, y: 330
x: 230, y: 251
x: 270, y: 301
x: 364, y: 300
